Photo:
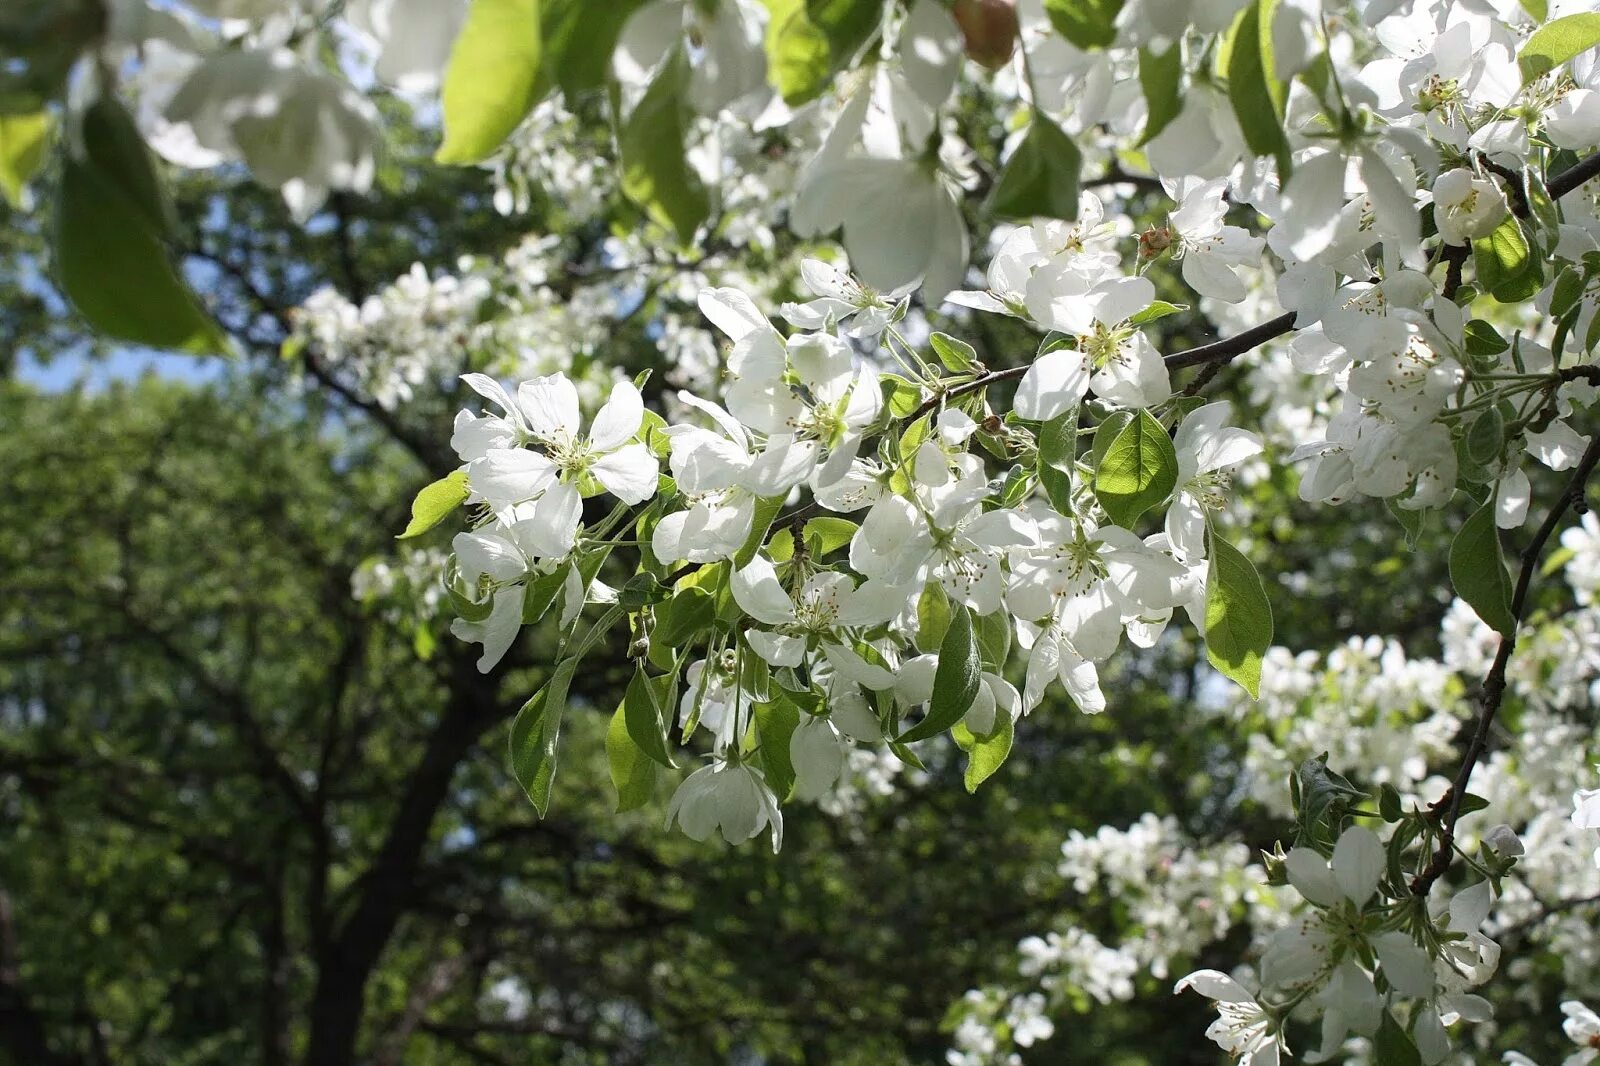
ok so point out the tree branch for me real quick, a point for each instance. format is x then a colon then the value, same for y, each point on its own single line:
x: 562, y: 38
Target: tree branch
x: 1448, y: 807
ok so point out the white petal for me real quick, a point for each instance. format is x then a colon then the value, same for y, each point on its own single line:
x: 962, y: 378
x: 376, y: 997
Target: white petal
x: 619, y: 420
x: 757, y: 592
x: 1052, y: 385
x: 1358, y: 863
x: 550, y: 404
x: 630, y: 473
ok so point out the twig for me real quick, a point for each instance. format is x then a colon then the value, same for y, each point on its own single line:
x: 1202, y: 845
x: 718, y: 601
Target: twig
x: 1448, y: 808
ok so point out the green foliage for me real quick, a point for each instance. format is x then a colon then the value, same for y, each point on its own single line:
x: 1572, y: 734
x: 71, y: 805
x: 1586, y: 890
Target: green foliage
x: 536, y: 735
x: 1478, y: 572
x: 655, y: 173
x: 579, y: 37
x: 1138, y: 470
x: 955, y: 682
x: 1253, y: 87
x: 808, y: 41
x: 1160, y: 76
x: 493, y: 79
x: 24, y: 143
x: 1058, y: 452
x: 1556, y: 42
x: 633, y: 773
x: 1505, y: 264
x: 110, y: 257
x: 1086, y: 23
x: 1238, y: 616
x: 647, y: 708
x: 1041, y: 177
x: 436, y: 502
x: 776, y: 721
x: 986, y: 754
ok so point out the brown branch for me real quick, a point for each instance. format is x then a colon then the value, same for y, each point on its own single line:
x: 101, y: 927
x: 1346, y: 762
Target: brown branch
x: 1448, y: 807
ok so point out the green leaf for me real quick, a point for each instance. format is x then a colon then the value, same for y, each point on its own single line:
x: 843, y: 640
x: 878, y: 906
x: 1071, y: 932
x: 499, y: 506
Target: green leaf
x: 535, y: 733
x: 579, y: 38
x: 633, y: 773
x: 957, y: 355
x: 808, y: 41
x: 1483, y: 339
x: 822, y: 535
x: 1040, y: 180
x: 110, y: 255
x: 656, y: 174
x: 1393, y: 1045
x: 1138, y: 471
x: 1556, y: 42
x: 492, y: 80
x: 686, y: 615
x: 900, y: 396
x: 1505, y: 264
x: 776, y: 721
x: 1537, y: 9
x: 435, y: 502
x: 1160, y: 76
x: 24, y: 143
x: 1086, y: 23
x: 1058, y: 451
x: 955, y: 682
x: 766, y: 510
x: 994, y: 639
x: 933, y: 617
x: 1156, y: 312
x: 1486, y: 436
x: 1253, y: 86
x: 987, y: 754
x: 1478, y: 572
x: 646, y: 705
x: 1238, y: 616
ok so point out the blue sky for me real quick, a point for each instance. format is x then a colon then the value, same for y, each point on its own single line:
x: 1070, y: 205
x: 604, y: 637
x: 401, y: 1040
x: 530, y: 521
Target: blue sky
x: 122, y: 364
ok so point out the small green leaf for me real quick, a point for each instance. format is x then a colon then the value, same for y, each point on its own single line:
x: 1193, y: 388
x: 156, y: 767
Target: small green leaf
x: 24, y: 143
x: 1505, y: 264
x: 933, y: 617
x: 492, y: 80
x: 1393, y: 1046
x: 808, y: 41
x: 656, y: 173
x: 1556, y: 42
x: 1040, y: 180
x: 1156, y: 312
x: 633, y: 773
x: 1160, y: 76
x: 957, y: 355
x: 435, y: 502
x: 988, y: 753
x: 1486, y: 436
x: 776, y: 721
x: 646, y: 705
x: 1253, y: 86
x: 579, y: 37
x: 536, y: 732
x: 1058, y: 451
x: 688, y: 613
x: 760, y: 523
x: 1483, y: 339
x: 1238, y: 616
x: 899, y: 395
x: 994, y: 639
x: 955, y: 681
x: 110, y: 255
x: 1086, y: 23
x: 1537, y: 9
x: 1138, y: 471
x: 1478, y: 572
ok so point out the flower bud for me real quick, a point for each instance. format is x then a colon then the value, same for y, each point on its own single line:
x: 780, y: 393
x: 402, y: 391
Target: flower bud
x: 989, y: 28
x: 1503, y: 841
